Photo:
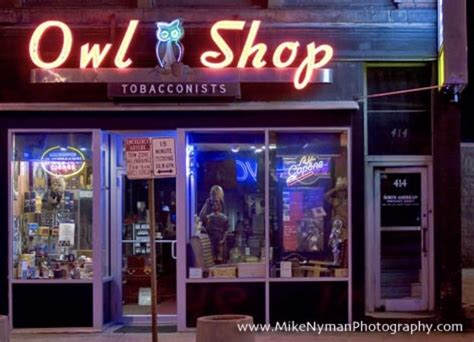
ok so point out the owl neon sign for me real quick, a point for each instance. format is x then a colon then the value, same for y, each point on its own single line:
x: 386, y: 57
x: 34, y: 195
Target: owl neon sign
x: 170, y: 50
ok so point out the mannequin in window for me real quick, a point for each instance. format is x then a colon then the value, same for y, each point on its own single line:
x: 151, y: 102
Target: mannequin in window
x: 216, y: 193
x: 335, y: 242
x: 337, y: 197
x: 217, y: 226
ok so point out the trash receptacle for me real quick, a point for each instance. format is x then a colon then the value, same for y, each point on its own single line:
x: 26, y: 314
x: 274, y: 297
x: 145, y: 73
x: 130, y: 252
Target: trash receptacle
x: 4, y: 329
x: 224, y: 328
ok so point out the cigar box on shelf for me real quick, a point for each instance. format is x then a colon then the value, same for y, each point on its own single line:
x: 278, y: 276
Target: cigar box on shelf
x: 251, y: 269
x: 223, y: 271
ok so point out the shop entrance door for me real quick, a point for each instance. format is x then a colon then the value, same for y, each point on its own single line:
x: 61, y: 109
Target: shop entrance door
x: 132, y: 212
x: 402, y: 235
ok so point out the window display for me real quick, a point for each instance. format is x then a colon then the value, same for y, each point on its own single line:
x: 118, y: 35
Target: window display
x: 308, y: 204
x: 226, y: 191
x: 52, y: 206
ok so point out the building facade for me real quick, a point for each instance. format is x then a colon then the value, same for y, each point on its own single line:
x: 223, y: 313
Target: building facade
x: 317, y: 162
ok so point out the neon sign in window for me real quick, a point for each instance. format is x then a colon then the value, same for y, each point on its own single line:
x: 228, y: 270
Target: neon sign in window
x: 306, y: 170
x: 246, y: 170
x: 63, y: 161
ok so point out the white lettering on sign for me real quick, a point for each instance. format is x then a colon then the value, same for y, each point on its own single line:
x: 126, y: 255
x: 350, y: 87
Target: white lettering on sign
x: 164, y: 157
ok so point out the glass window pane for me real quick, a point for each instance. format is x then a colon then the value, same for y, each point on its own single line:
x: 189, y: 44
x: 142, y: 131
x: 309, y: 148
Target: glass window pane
x: 52, y: 206
x: 136, y: 258
x: 308, y: 204
x: 226, y: 192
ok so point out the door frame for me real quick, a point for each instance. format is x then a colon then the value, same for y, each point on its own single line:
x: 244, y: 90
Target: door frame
x: 117, y: 172
x: 370, y: 227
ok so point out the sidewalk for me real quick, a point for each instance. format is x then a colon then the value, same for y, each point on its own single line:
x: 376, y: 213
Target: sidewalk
x: 110, y: 336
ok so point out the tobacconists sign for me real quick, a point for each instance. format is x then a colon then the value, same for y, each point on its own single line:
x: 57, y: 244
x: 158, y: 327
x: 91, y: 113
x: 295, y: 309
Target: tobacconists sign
x: 220, y: 74
x: 173, y: 89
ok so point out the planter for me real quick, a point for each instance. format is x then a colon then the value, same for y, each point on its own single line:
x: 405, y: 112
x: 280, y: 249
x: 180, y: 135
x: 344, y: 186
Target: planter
x: 4, y: 329
x: 223, y: 328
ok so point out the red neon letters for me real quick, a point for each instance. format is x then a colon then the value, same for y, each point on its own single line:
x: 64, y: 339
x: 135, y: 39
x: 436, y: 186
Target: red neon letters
x: 89, y: 54
x: 303, y: 72
x: 284, y: 55
x: 35, y: 42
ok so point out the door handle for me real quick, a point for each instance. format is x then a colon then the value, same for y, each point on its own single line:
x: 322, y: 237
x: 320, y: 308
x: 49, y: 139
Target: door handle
x: 173, y: 250
x: 424, y: 230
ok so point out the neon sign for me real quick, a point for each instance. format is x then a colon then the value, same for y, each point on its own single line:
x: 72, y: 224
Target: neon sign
x: 170, y: 50
x: 60, y: 161
x: 94, y: 54
x: 304, y: 71
x: 246, y: 170
x: 308, y: 167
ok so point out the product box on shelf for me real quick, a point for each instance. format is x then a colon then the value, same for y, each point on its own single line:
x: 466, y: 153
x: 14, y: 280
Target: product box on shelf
x: 251, y: 269
x: 223, y: 271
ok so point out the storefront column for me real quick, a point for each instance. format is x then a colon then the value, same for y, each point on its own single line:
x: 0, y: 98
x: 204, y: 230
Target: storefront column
x: 3, y: 224
x: 358, y: 222
x: 447, y: 206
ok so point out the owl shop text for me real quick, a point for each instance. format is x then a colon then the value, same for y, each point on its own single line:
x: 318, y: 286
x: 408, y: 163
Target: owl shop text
x: 284, y: 56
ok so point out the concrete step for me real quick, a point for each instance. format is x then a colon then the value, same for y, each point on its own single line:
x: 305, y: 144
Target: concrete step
x: 402, y: 317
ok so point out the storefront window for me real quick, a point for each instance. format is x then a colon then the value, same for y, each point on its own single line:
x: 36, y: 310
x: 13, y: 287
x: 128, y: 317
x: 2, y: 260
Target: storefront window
x: 309, y: 217
x: 226, y: 194
x: 52, y: 206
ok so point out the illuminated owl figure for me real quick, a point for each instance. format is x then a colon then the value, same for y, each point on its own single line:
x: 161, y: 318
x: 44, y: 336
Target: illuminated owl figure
x: 169, y: 49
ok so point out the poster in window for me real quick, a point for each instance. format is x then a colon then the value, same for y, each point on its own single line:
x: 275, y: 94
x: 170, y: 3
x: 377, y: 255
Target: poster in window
x: 303, y: 219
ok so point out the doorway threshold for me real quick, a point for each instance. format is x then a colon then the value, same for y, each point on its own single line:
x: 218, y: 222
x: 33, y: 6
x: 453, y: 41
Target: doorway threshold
x: 400, y: 316
x: 145, y: 329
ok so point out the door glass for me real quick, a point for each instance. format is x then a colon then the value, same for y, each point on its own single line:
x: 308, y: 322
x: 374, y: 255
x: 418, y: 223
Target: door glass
x: 400, y: 235
x: 136, y: 262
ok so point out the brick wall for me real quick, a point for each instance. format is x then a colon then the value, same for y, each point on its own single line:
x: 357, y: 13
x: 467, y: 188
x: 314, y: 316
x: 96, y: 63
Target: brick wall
x: 416, y: 3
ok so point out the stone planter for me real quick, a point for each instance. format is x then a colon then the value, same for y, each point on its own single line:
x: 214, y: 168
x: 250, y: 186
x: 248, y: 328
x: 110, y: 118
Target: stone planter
x: 223, y: 328
x: 4, y: 329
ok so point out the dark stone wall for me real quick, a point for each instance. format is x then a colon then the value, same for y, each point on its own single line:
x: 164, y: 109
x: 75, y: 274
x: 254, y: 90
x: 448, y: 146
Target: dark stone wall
x: 447, y: 206
x: 467, y: 205
x: 467, y: 98
x: 467, y: 136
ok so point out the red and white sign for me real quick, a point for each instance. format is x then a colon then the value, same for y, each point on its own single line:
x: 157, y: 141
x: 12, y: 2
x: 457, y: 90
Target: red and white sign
x: 150, y: 158
x: 139, y: 158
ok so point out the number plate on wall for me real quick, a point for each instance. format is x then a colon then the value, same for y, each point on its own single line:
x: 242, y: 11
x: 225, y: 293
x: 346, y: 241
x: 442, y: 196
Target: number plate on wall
x: 407, y: 133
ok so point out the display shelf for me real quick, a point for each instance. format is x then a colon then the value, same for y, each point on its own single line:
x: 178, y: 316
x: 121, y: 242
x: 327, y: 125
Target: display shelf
x: 271, y: 280
x: 226, y: 280
x: 308, y: 279
x: 52, y: 281
x: 156, y: 241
